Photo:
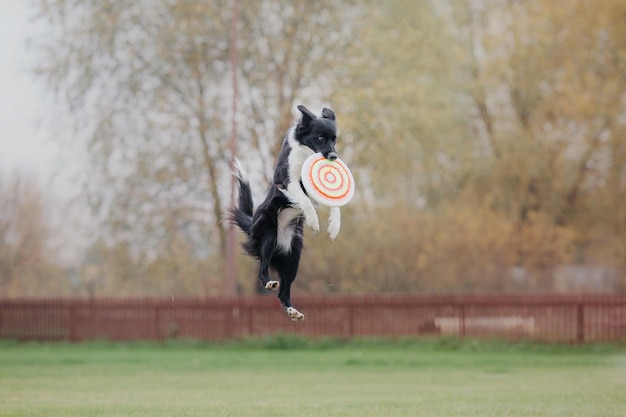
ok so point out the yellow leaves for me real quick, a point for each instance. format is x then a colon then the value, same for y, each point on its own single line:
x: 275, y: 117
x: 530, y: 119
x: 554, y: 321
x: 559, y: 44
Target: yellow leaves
x: 470, y: 247
x: 466, y: 246
x: 26, y: 262
x: 542, y: 243
x: 470, y: 120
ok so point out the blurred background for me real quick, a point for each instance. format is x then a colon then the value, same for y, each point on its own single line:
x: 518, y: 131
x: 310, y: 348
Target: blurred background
x: 487, y: 139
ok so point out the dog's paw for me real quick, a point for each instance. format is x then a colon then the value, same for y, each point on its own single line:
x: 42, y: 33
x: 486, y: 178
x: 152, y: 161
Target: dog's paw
x: 334, y: 222
x: 333, y: 230
x: 272, y: 285
x: 294, y: 314
x: 313, y: 222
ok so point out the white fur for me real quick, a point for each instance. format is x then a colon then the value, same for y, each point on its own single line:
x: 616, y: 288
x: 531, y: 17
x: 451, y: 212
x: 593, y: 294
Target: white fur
x: 286, y: 228
x: 239, y: 171
x: 294, y: 314
x: 272, y: 285
x: 298, y: 154
x: 334, y: 222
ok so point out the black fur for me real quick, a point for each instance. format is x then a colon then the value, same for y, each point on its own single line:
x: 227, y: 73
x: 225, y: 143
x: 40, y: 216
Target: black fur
x: 275, y: 230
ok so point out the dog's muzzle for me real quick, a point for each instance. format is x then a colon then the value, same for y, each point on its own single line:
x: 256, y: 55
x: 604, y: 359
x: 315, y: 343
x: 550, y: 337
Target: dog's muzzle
x: 332, y: 156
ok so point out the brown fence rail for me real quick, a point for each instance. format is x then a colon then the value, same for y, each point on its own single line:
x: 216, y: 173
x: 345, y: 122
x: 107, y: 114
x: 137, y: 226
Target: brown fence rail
x: 562, y: 318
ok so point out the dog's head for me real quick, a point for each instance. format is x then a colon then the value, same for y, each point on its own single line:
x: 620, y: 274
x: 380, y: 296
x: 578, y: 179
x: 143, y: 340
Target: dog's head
x: 318, y: 133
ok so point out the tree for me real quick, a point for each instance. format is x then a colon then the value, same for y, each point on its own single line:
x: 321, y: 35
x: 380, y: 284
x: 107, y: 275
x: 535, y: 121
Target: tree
x: 482, y: 134
x: 402, y: 109
x: 547, y: 87
x: 26, y: 268
x: 148, y: 86
x: 517, y: 106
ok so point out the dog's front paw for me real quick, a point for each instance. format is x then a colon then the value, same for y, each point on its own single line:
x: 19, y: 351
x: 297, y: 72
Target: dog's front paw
x: 294, y: 314
x: 334, y: 223
x: 333, y: 230
x: 313, y: 222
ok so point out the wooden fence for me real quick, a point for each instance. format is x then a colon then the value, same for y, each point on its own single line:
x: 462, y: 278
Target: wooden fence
x: 552, y: 318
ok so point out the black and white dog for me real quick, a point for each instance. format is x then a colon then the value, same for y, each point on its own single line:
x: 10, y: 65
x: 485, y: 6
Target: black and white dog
x: 275, y: 229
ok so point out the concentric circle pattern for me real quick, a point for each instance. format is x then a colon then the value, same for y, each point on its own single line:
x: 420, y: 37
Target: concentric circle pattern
x: 328, y: 182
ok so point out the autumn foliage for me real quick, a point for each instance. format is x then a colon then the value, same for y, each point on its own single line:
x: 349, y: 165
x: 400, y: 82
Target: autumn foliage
x: 487, y: 138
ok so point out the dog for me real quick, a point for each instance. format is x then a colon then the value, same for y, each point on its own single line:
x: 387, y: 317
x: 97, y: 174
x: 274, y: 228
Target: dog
x: 275, y: 229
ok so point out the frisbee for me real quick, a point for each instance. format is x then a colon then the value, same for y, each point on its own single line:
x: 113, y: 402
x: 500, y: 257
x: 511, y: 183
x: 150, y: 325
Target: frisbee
x: 328, y: 182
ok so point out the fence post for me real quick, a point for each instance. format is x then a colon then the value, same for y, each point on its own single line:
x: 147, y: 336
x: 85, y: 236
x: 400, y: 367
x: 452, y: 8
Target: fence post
x: 462, y: 319
x: 71, y: 322
x: 250, y: 313
x: 350, y: 320
x: 580, y: 323
x: 157, y: 320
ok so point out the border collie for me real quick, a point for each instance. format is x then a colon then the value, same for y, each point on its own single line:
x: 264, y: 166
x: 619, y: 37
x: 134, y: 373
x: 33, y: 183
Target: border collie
x: 275, y: 229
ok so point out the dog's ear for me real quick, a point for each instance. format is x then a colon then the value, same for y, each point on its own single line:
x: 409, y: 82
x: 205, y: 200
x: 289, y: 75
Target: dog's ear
x: 328, y: 114
x: 307, y: 116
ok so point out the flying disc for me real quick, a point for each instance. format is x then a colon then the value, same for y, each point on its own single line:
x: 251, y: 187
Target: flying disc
x: 328, y: 182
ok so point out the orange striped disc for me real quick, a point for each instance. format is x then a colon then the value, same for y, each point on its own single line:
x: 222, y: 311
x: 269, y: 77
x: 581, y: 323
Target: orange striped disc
x: 328, y: 182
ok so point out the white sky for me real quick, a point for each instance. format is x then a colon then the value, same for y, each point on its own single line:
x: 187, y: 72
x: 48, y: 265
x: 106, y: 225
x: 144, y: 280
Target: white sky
x: 25, y: 143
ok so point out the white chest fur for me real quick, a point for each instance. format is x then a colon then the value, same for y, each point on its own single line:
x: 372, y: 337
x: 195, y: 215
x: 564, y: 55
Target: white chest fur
x: 298, y: 154
x: 286, y: 228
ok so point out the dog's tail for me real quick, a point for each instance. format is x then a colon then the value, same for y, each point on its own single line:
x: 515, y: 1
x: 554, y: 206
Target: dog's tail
x: 242, y: 215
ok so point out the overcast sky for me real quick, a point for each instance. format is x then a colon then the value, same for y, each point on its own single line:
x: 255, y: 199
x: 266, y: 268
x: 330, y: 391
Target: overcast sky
x: 25, y: 143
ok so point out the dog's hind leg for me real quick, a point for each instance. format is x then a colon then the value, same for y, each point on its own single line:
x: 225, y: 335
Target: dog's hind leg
x: 267, y: 251
x: 287, y: 273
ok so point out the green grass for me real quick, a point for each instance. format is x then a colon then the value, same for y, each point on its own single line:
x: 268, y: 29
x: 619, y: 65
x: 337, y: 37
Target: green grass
x: 286, y: 376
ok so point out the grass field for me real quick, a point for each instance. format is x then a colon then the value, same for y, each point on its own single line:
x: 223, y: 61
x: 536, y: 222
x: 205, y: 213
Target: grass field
x: 285, y: 376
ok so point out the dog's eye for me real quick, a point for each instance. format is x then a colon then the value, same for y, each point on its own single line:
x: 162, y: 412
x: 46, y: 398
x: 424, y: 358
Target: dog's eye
x: 321, y: 138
